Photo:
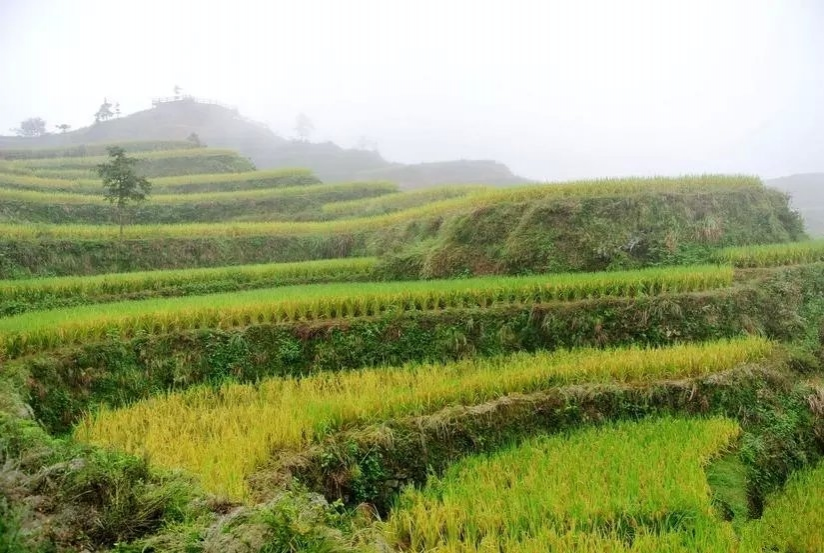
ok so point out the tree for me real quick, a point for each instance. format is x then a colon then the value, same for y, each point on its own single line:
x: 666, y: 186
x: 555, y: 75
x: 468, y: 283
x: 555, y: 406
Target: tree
x: 104, y: 113
x: 33, y: 126
x: 194, y: 139
x: 177, y: 91
x: 117, y: 109
x: 121, y: 185
x: 304, y: 127
x: 63, y: 128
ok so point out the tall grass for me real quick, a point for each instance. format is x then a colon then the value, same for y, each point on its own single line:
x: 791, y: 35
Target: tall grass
x: 25, y: 295
x: 224, y: 434
x: 32, y: 332
x: 617, y: 187
x: 771, y: 255
x: 584, y: 492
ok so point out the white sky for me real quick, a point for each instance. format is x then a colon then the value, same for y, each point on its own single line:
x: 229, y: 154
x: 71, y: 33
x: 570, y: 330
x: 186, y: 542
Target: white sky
x: 555, y: 89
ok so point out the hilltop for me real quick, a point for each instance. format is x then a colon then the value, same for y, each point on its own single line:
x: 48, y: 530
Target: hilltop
x: 222, y: 126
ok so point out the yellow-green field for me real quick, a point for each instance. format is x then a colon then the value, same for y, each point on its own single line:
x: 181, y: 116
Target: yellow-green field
x: 224, y: 434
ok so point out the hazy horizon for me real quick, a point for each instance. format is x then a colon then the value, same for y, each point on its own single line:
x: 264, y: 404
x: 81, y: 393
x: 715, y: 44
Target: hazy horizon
x: 554, y: 90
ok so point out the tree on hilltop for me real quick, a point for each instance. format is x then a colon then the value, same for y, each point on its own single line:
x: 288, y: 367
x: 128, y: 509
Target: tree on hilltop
x: 104, y: 112
x: 121, y: 185
x: 63, y: 128
x: 304, y: 127
x: 31, y: 127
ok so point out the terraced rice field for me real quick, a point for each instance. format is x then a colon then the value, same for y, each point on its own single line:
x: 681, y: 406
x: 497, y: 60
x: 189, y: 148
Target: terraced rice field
x: 224, y: 434
x: 631, y: 486
x: 30, y: 332
x: 263, y: 383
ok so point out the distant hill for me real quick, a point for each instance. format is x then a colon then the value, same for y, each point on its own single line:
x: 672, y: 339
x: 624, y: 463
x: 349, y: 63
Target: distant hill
x: 807, y: 196
x: 221, y: 126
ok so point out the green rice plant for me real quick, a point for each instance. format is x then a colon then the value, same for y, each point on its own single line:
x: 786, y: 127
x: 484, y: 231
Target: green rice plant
x: 793, y: 518
x: 627, y: 486
x: 36, y: 331
x: 617, y: 187
x: 224, y: 434
x: 17, y: 296
x: 772, y: 255
x: 401, y: 200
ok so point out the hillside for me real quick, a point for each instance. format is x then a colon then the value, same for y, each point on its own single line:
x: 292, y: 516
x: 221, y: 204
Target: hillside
x: 807, y: 196
x: 223, y: 127
x: 262, y: 362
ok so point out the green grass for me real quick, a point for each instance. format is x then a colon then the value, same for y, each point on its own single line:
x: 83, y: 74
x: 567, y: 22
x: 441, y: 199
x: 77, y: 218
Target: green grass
x: 18, y: 296
x: 616, y: 187
x: 224, y: 434
x: 31, y: 332
x: 599, y: 489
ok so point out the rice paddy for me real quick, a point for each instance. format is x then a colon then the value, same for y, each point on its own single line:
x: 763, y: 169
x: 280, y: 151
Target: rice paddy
x: 35, y: 331
x: 588, y: 491
x: 116, y: 360
x: 224, y: 434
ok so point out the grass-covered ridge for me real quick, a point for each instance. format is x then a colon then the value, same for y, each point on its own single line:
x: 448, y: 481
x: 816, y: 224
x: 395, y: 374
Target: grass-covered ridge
x: 154, y: 163
x: 224, y: 434
x: 30, y: 332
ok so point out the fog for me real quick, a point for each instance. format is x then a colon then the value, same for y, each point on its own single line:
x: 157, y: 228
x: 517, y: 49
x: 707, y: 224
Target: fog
x: 554, y: 89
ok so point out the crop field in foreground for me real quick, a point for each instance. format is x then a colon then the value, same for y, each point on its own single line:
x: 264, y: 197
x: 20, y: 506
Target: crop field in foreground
x: 771, y: 255
x: 18, y: 296
x: 588, y: 491
x: 578, y: 189
x: 223, y: 434
x: 30, y: 332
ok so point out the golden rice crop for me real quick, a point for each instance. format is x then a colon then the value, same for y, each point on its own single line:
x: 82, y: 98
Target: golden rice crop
x: 36, y: 331
x: 606, y: 187
x: 582, y: 492
x: 772, y: 255
x: 224, y: 434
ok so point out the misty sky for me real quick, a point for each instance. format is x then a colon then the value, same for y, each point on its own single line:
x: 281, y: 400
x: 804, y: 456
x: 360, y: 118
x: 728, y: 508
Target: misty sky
x: 555, y: 89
